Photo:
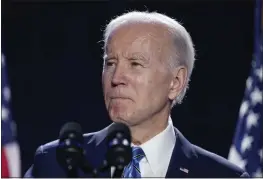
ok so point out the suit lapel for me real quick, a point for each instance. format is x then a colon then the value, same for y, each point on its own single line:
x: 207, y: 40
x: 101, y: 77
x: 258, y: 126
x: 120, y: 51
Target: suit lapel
x: 100, y: 149
x: 180, y: 164
x: 182, y: 158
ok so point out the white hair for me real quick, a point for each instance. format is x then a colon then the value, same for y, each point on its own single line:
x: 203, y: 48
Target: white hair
x: 183, y: 52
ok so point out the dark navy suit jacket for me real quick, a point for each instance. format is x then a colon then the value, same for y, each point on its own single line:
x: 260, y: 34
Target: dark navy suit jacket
x: 198, y: 162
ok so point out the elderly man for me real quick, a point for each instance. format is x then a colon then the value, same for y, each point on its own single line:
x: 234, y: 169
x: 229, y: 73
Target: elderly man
x: 148, y: 61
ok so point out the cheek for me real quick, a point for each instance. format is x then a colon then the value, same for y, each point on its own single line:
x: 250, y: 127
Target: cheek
x: 152, y: 87
x: 144, y: 87
x: 105, y: 84
x: 106, y: 78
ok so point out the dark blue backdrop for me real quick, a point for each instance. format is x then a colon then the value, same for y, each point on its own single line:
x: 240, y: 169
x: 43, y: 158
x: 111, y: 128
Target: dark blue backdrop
x: 54, y: 66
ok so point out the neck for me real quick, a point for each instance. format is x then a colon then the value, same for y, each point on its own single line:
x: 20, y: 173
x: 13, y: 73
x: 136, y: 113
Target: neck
x: 150, y: 128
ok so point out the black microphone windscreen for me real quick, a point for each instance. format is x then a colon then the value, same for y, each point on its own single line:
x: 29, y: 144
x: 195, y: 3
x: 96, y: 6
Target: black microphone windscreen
x: 69, y: 152
x: 119, y: 152
x: 70, y: 127
x: 119, y: 127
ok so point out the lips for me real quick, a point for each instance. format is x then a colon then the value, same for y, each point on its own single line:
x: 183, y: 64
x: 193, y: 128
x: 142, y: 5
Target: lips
x: 119, y: 97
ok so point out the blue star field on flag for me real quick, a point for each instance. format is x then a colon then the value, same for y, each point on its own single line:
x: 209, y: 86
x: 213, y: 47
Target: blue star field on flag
x: 247, y: 148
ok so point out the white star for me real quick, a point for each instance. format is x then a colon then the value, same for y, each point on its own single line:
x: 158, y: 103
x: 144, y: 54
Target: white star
x: 5, y: 113
x: 258, y: 173
x: 252, y: 119
x: 246, y: 143
x: 6, y: 93
x: 259, y: 73
x: 260, y: 153
x: 243, y: 108
x: 249, y: 83
x: 235, y: 158
x: 256, y: 96
x: 242, y: 164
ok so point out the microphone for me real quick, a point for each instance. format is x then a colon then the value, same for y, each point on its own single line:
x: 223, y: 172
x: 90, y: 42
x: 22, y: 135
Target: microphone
x: 119, y: 152
x: 70, y: 153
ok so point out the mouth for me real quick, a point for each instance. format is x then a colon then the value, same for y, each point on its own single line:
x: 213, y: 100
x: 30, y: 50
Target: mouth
x: 119, y: 97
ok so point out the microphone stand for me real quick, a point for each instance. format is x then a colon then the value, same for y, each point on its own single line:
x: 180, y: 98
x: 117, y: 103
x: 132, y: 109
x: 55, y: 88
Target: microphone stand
x: 118, y: 172
x: 86, y: 168
x: 72, y: 172
x: 104, y: 167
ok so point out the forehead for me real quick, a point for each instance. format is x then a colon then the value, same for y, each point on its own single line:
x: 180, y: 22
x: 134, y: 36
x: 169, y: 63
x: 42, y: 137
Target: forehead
x: 138, y: 38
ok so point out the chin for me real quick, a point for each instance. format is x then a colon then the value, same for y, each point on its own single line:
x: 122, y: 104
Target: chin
x: 122, y: 119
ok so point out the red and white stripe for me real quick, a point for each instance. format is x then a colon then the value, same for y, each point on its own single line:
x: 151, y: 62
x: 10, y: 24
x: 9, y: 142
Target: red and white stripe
x: 10, y: 161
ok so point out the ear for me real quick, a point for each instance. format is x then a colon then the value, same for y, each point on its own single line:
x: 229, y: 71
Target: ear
x: 178, y: 82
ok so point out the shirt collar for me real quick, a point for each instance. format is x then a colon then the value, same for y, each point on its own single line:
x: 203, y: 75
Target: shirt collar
x: 162, y: 143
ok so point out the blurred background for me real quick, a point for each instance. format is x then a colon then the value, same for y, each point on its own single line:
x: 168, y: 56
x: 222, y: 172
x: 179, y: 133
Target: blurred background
x: 54, y: 62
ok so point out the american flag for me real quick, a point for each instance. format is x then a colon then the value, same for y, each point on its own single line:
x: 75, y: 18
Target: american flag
x: 10, y: 160
x: 247, y: 148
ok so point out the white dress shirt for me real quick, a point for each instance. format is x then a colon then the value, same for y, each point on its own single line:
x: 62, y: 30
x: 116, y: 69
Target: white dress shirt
x: 158, y: 152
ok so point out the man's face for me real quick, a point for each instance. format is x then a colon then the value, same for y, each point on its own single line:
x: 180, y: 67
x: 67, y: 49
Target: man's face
x: 136, y: 78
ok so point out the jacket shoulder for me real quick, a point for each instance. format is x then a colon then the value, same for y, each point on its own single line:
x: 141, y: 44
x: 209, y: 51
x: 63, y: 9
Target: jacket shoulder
x: 45, y: 164
x: 50, y: 146
x: 215, y: 164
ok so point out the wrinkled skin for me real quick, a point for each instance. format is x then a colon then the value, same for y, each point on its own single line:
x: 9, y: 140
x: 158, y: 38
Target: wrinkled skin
x: 138, y: 83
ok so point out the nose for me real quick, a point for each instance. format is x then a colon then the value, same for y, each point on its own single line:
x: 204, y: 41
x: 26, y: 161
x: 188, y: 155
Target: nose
x: 118, y: 77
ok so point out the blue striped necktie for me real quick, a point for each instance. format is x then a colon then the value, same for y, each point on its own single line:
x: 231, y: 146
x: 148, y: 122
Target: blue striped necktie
x: 132, y: 170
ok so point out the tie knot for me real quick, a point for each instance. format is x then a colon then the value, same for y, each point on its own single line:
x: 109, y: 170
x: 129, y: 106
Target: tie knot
x: 137, y: 154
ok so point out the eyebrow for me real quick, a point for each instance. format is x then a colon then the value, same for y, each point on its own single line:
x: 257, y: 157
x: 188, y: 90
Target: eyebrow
x: 134, y: 56
x: 138, y: 56
x: 107, y: 57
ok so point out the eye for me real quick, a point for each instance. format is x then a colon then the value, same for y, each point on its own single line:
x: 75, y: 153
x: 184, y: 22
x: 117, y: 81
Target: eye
x: 109, y: 63
x: 135, y: 64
